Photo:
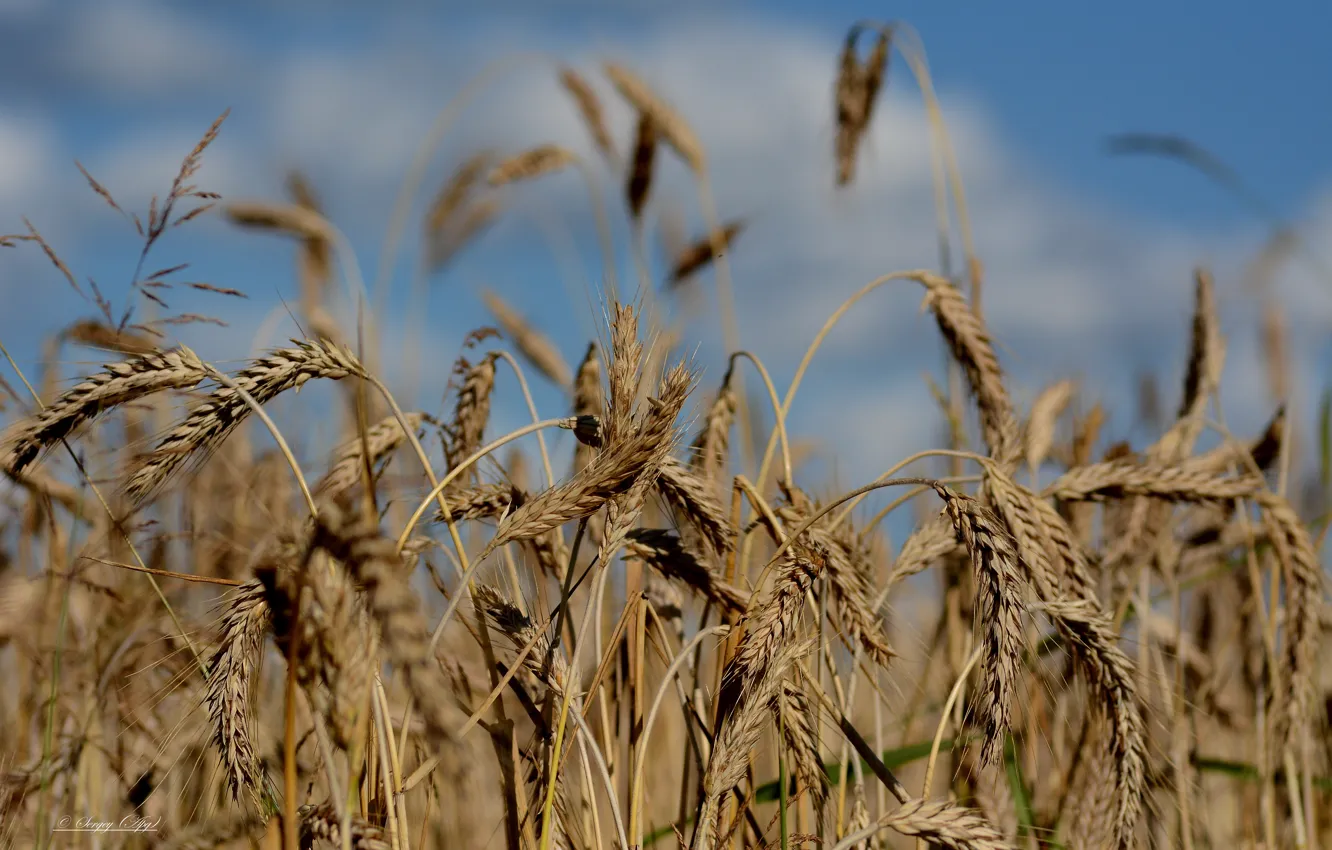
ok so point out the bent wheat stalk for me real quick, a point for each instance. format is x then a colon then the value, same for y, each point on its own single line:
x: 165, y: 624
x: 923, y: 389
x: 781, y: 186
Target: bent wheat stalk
x: 97, y: 395
x: 211, y: 421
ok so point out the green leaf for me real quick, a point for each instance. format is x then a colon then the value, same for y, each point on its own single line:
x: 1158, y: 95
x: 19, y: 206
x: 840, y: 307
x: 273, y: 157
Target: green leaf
x: 661, y: 832
x: 1248, y: 772
x: 1021, y: 799
x: 767, y: 792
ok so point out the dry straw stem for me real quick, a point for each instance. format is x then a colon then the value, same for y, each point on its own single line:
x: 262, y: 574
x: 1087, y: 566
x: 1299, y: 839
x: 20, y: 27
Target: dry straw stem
x: 589, y: 107
x: 381, y: 440
x: 663, y: 550
x: 212, y: 420
x: 941, y: 824
x: 674, y: 131
x: 699, y: 254
x: 740, y: 727
x: 623, y: 508
x: 373, y: 561
x: 531, y: 164
x: 687, y: 654
x: 925, y: 278
x: 539, y: 659
x: 535, y: 346
x: 638, y: 183
x: 121, y: 383
x: 437, y: 492
x: 1276, y: 351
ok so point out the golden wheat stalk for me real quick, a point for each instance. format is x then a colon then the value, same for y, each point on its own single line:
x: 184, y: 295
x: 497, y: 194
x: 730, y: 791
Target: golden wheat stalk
x: 531, y: 164
x: 94, y: 396
x: 535, y: 346
x: 589, y: 107
x: 674, y: 131
x: 213, y: 419
x: 381, y: 440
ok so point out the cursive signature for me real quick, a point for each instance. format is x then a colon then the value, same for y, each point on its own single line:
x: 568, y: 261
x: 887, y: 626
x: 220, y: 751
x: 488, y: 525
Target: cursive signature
x: 129, y: 823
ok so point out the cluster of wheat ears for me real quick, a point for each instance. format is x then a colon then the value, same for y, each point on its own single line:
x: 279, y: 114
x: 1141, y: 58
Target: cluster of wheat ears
x: 659, y: 640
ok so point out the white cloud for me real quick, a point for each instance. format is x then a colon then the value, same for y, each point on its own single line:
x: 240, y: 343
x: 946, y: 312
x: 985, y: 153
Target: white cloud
x: 138, y: 48
x: 25, y: 157
x: 360, y: 116
x: 1062, y: 276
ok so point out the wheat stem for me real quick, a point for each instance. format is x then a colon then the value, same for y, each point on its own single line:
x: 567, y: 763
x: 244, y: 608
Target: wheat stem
x: 636, y: 785
x: 532, y: 411
x: 944, y: 714
x: 281, y: 441
x: 157, y: 589
x: 438, y: 490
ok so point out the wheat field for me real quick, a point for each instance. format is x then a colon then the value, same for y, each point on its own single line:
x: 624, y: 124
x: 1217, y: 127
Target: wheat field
x: 434, y: 634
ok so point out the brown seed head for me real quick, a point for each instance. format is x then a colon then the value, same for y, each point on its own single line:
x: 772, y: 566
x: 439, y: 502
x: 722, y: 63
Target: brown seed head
x: 674, y: 131
x: 531, y: 164
x: 589, y: 107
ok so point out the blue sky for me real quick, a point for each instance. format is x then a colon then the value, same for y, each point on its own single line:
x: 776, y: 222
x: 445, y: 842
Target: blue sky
x: 1087, y: 256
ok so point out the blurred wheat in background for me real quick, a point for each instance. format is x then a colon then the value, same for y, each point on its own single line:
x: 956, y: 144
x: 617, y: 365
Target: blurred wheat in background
x: 236, y: 616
